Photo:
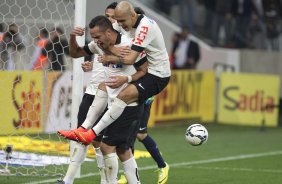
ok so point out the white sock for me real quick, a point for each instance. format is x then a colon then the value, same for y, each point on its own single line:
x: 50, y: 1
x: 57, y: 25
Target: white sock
x: 100, y: 164
x: 131, y: 171
x: 111, y: 167
x: 96, y: 109
x: 110, y: 116
x: 77, y: 157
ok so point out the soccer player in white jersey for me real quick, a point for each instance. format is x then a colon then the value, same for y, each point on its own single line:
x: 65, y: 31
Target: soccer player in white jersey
x: 148, y: 37
x: 119, y: 136
x: 98, y: 76
x: 143, y: 135
x: 116, y: 136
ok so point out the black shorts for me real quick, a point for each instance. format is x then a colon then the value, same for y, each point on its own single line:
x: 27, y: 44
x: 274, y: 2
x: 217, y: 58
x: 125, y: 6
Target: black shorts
x: 86, y: 102
x: 122, y: 132
x: 149, y: 85
x: 144, y: 118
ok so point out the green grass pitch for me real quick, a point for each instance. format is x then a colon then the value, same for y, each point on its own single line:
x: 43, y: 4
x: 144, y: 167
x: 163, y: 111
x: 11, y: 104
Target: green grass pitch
x: 232, y: 155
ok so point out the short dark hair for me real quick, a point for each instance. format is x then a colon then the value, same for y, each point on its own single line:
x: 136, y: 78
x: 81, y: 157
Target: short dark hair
x: 113, y: 5
x: 1, y: 27
x: 58, y: 29
x: 102, y: 21
x: 139, y: 10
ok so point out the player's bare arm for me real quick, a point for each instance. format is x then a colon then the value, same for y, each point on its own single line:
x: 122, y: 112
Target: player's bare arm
x: 117, y: 81
x: 119, y: 51
x: 75, y: 50
x: 123, y: 60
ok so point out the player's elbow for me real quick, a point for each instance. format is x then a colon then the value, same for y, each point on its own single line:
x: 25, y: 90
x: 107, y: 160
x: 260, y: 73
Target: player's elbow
x: 74, y: 53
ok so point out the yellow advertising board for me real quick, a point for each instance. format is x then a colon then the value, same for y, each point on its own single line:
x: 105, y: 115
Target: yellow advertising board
x: 189, y: 95
x: 248, y: 99
x: 21, y: 102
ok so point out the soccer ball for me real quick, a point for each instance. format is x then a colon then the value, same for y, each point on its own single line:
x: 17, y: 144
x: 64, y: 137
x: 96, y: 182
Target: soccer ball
x: 196, y: 134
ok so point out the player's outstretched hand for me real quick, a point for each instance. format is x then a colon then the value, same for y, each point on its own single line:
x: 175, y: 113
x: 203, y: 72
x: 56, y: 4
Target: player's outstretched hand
x: 116, y: 81
x: 77, y: 31
x: 86, y: 66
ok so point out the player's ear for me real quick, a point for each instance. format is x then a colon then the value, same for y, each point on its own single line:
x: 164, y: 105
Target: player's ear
x: 108, y: 32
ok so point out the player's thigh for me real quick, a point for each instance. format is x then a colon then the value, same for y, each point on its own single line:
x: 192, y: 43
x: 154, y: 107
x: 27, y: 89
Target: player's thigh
x: 129, y: 94
x: 107, y: 149
x: 149, y: 85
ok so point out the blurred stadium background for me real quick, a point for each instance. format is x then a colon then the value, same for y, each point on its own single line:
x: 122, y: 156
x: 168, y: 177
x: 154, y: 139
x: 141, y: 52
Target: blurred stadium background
x: 234, y: 92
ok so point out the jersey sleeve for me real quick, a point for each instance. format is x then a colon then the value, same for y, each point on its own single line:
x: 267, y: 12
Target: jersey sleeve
x: 143, y: 37
x: 141, y: 59
x: 116, y: 27
x: 92, y: 48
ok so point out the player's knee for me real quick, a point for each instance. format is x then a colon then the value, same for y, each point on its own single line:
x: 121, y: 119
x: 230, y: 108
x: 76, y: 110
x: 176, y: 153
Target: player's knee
x: 96, y: 144
x: 124, y: 154
x: 124, y: 96
x: 141, y: 136
x: 102, y: 86
x: 106, y: 149
x: 79, y: 155
x: 120, y: 151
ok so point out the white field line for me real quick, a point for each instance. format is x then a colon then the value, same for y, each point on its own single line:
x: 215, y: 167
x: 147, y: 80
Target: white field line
x: 221, y: 159
x: 234, y: 169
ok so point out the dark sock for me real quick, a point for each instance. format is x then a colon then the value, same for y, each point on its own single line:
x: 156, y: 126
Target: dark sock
x: 152, y: 148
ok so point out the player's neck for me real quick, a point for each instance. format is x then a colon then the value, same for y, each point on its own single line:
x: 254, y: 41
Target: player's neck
x: 135, y: 19
x: 114, y: 38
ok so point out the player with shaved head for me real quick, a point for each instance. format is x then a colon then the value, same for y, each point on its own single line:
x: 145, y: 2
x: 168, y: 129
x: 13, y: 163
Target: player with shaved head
x: 148, y: 38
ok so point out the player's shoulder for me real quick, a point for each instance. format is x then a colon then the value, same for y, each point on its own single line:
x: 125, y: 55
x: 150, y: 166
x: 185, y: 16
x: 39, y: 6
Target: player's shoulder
x: 125, y: 40
x: 146, y: 20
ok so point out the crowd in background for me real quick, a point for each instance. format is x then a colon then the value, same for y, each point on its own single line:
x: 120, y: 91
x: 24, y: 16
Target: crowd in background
x: 49, y: 50
x: 254, y: 24
x: 11, y: 41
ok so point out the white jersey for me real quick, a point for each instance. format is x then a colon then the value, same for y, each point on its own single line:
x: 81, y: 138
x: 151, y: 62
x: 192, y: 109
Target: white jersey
x: 98, y: 76
x: 118, y: 28
x: 122, y: 70
x: 114, y: 69
x: 148, y: 37
x: 130, y: 34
